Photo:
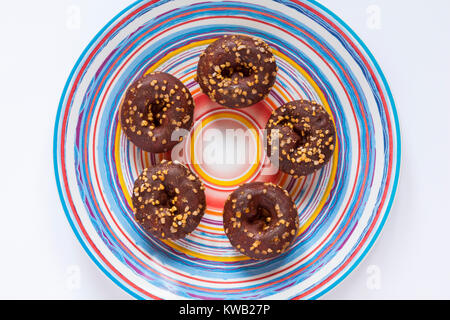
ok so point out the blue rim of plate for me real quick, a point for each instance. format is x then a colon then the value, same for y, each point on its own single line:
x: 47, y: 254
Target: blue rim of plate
x: 375, y: 236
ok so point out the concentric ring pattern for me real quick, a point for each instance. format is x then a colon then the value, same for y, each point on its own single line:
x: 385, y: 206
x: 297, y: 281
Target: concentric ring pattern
x: 342, y: 208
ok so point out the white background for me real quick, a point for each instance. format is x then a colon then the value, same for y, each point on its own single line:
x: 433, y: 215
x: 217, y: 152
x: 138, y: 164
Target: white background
x: 40, y: 42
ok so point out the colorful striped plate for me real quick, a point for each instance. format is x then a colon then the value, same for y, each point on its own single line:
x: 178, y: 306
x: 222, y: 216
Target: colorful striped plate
x: 342, y: 208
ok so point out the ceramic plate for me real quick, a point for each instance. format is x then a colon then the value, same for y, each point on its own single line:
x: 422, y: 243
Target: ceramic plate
x: 342, y: 208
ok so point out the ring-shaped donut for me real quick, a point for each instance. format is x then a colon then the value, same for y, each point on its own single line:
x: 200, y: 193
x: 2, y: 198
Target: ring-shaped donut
x: 154, y: 110
x: 237, y: 71
x: 260, y: 220
x: 169, y: 200
x: 301, y: 136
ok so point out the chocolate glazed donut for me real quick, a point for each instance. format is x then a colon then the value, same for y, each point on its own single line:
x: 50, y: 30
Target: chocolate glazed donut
x: 237, y: 71
x: 169, y: 200
x: 154, y: 108
x: 260, y: 220
x: 304, y: 136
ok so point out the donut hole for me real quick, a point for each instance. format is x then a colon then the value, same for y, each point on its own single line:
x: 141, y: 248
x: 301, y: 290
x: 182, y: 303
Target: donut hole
x: 237, y: 71
x: 301, y: 136
x: 261, y: 218
x: 166, y: 196
x: 164, y: 199
x: 156, y: 112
